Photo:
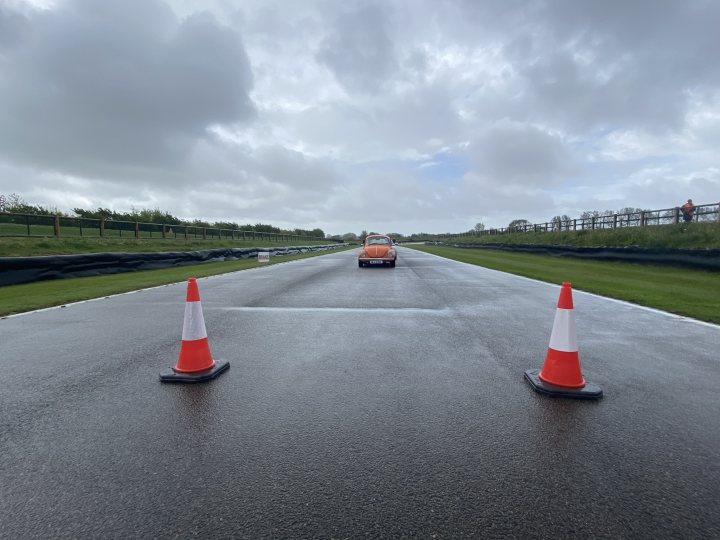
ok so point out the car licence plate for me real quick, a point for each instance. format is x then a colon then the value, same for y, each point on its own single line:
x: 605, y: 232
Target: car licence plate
x: 376, y: 261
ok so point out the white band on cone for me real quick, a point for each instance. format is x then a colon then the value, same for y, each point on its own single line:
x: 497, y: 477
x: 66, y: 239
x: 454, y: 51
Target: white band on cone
x: 194, y: 323
x: 563, y: 333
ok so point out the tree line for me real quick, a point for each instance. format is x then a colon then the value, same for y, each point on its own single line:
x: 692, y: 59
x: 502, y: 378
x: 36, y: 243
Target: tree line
x: 13, y: 203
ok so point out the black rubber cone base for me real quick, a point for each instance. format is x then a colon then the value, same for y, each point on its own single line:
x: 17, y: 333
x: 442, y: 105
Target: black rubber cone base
x: 589, y: 391
x: 172, y: 376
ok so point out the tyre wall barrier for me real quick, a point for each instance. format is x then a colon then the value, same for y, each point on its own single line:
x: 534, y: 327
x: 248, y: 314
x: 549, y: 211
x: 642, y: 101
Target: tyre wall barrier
x: 15, y: 270
x: 706, y: 259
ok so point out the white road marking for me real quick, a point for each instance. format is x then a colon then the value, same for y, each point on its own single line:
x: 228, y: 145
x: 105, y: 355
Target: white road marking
x: 630, y: 304
x: 334, y: 309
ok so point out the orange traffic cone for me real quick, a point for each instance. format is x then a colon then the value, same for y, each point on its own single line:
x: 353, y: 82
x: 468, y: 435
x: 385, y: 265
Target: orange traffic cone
x: 561, y: 374
x: 195, y: 363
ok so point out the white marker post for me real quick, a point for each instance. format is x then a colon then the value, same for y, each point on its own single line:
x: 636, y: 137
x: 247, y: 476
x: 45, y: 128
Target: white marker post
x: 263, y: 256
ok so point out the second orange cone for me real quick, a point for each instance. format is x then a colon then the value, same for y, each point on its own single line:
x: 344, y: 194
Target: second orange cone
x: 561, y: 374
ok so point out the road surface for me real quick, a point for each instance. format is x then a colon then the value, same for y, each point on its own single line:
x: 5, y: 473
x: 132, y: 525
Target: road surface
x: 370, y: 402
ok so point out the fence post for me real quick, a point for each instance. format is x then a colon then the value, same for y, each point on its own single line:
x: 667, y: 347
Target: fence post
x: 56, y: 226
x: 102, y: 227
x: 676, y: 215
x: 615, y: 216
x: 574, y: 224
x: 204, y: 234
x: 163, y: 230
x: 137, y: 231
x: 592, y: 223
x: 642, y: 218
x: 718, y: 212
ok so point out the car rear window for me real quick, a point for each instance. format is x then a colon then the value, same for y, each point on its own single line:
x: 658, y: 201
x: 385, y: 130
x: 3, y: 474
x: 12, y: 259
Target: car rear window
x: 377, y: 240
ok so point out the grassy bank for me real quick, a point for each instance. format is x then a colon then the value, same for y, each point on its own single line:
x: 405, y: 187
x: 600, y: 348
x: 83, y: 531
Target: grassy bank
x: 682, y: 235
x: 29, y: 296
x: 692, y: 293
x: 28, y: 247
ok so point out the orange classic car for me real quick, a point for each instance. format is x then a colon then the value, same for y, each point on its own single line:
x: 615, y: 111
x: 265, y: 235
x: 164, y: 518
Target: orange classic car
x: 377, y: 250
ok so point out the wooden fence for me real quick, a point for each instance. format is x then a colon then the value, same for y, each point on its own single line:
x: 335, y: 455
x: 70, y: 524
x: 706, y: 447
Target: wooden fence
x: 665, y: 216
x: 14, y: 225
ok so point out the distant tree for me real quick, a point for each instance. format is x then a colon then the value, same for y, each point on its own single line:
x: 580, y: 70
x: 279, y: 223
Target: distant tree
x: 100, y: 213
x: 479, y: 227
x: 560, y: 222
x: 518, y: 224
x: 261, y: 227
x: 199, y: 223
x: 630, y: 210
x: 596, y: 213
x: 630, y: 215
x: 15, y: 204
x: 226, y: 225
x: 143, y: 216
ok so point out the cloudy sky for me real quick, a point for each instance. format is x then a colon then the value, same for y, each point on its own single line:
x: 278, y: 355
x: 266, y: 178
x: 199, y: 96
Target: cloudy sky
x: 394, y: 116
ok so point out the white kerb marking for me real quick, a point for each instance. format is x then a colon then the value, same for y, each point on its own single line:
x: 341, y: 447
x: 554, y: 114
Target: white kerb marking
x: 194, y: 323
x: 563, y: 336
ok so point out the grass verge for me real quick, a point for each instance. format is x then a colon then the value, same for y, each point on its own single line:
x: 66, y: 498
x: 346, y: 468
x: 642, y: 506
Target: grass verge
x: 56, y: 292
x: 688, y: 292
x: 701, y: 235
x: 30, y: 247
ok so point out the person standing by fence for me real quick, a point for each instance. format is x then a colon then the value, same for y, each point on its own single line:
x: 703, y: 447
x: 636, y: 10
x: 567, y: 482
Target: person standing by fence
x: 688, y: 211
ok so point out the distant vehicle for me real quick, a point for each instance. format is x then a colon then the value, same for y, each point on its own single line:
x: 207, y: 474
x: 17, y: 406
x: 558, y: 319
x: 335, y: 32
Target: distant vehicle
x: 377, y: 250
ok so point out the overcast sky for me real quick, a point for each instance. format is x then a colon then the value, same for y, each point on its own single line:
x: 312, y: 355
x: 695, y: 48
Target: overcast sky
x: 392, y: 116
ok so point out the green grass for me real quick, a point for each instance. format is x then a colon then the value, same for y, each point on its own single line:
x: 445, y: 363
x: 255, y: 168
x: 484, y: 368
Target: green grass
x: 27, y: 247
x: 41, y: 294
x: 683, y: 235
x: 688, y: 292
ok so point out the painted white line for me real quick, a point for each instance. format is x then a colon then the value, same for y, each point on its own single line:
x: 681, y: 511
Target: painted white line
x: 91, y: 300
x: 332, y: 309
x: 577, y: 291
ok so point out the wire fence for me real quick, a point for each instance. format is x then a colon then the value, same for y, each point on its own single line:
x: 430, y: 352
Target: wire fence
x: 664, y: 216
x: 33, y: 225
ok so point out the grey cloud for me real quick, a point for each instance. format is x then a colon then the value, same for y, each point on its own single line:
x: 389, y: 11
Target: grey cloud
x: 295, y: 170
x: 438, y: 207
x: 359, y: 49
x: 13, y: 28
x: 120, y: 94
x: 119, y: 84
x: 603, y: 64
x: 582, y: 64
x: 371, y: 129
x: 518, y: 154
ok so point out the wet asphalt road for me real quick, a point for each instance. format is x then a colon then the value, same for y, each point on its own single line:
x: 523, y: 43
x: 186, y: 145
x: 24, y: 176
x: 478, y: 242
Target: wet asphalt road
x: 359, y: 403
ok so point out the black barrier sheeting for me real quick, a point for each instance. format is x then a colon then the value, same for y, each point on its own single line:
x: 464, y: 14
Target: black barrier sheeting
x: 706, y: 259
x: 15, y: 270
